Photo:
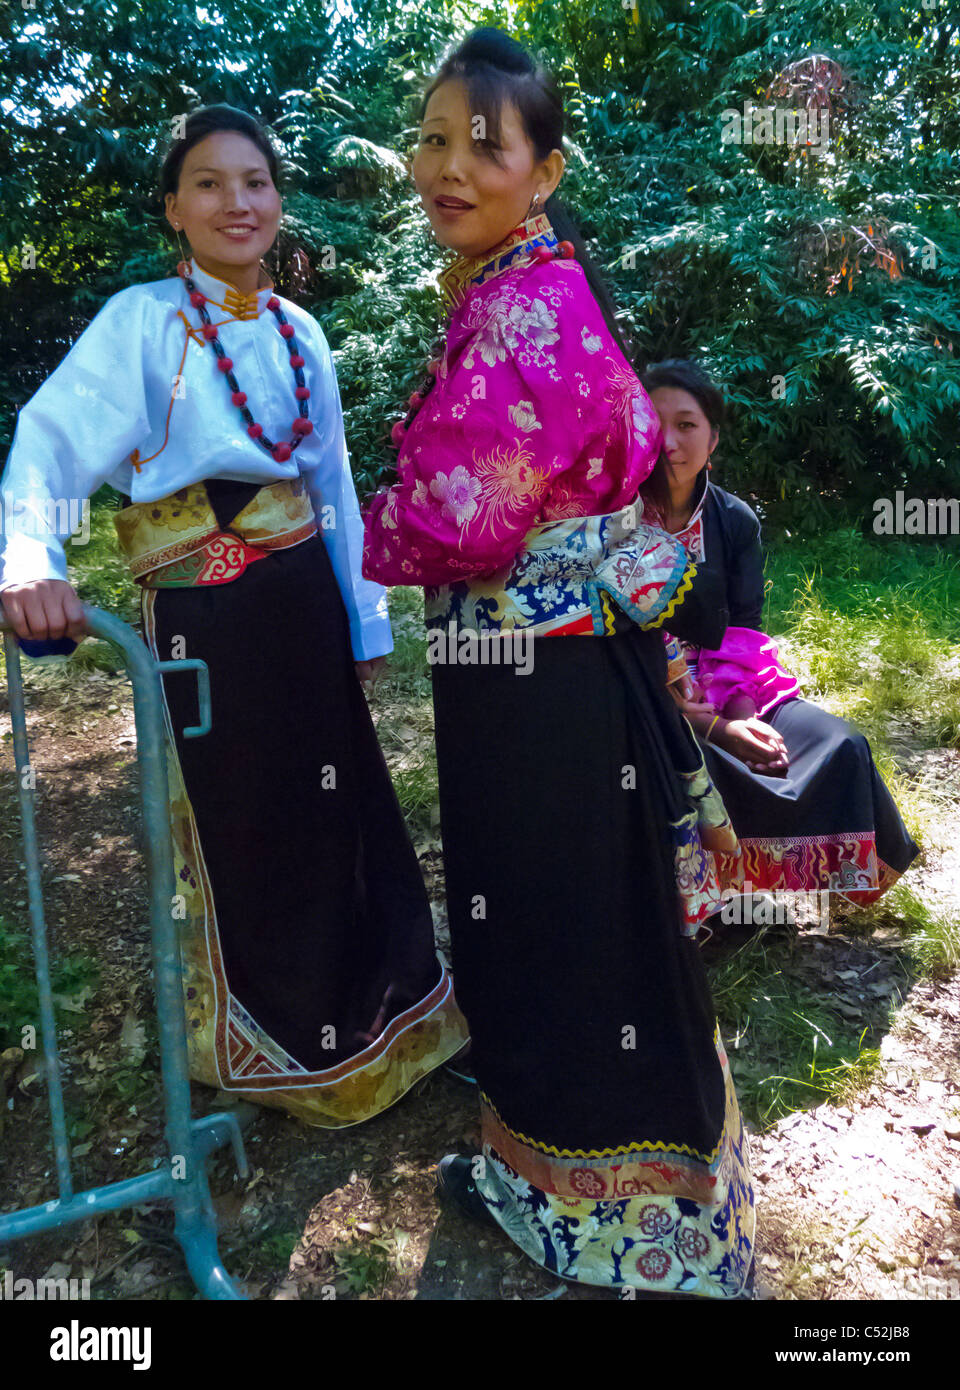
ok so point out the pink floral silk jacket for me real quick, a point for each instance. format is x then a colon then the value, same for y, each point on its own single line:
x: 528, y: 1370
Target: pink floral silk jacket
x: 535, y: 416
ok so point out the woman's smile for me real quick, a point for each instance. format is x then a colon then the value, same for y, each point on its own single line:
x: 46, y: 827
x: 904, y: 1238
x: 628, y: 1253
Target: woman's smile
x: 449, y: 207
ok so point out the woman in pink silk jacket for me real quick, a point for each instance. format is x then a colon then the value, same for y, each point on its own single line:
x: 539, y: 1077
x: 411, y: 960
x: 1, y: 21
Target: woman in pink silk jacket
x: 576, y: 813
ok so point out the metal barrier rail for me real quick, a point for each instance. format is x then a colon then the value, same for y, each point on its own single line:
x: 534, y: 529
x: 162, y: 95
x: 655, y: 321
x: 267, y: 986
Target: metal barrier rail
x: 182, y: 1181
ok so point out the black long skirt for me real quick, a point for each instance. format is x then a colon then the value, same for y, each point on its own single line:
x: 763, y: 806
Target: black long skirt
x: 614, y: 1151
x: 829, y: 825
x: 311, y: 975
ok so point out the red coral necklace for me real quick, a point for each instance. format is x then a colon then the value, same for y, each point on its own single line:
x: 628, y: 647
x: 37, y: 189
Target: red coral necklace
x: 302, y: 425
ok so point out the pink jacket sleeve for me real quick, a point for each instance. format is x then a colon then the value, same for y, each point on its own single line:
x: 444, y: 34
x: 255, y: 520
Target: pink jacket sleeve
x: 519, y: 402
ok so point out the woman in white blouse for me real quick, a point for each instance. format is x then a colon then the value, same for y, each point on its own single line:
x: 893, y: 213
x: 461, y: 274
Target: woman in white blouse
x: 211, y: 403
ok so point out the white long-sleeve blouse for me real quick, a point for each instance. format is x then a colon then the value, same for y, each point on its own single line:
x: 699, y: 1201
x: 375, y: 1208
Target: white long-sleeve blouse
x: 138, y: 402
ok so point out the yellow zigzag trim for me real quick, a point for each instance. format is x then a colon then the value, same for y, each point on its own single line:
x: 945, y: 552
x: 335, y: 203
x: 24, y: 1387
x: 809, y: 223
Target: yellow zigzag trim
x: 646, y: 1146
x: 607, y: 613
x: 685, y: 585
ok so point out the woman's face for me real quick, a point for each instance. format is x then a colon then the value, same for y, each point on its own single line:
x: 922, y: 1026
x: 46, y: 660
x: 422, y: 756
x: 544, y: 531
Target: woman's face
x: 688, y: 436
x: 473, y: 202
x: 225, y: 183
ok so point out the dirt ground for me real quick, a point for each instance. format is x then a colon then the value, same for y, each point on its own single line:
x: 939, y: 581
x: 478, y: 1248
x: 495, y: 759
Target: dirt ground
x: 853, y: 1201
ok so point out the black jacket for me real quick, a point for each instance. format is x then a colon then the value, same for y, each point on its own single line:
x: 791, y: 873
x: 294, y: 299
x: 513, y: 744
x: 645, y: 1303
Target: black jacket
x: 728, y: 587
x: 733, y: 551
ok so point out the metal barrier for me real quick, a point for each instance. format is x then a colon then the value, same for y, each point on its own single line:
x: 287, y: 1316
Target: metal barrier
x: 182, y: 1180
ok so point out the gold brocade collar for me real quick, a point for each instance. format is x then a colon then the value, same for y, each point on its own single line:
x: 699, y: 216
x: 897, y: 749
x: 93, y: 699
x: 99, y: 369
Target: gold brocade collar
x: 459, y: 279
x: 227, y: 297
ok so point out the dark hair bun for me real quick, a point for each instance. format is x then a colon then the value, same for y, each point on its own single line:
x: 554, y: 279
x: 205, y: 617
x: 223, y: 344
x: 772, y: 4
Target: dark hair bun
x: 496, y: 48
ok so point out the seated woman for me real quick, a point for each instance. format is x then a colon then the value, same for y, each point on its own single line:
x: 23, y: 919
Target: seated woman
x: 808, y: 806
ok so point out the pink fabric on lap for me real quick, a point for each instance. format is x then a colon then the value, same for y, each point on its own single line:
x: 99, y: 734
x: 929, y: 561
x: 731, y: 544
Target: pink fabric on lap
x: 746, y: 663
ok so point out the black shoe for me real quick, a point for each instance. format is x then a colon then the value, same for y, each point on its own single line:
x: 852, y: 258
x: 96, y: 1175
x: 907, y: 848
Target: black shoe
x: 455, y: 1185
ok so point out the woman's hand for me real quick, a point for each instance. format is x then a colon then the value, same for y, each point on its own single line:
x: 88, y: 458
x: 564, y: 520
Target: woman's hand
x: 754, y: 743
x: 368, y: 672
x: 44, y: 610
x: 695, y: 711
x: 689, y: 696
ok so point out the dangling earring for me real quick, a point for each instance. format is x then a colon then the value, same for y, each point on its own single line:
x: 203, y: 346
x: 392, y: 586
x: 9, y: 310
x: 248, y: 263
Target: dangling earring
x: 709, y: 464
x: 534, y: 203
x: 183, y: 265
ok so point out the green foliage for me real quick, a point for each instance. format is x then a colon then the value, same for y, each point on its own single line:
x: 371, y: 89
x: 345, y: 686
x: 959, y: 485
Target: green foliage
x: 19, y: 1002
x: 278, y: 1246
x: 821, y: 292
x: 404, y: 716
x: 363, y: 1265
x: 102, y: 577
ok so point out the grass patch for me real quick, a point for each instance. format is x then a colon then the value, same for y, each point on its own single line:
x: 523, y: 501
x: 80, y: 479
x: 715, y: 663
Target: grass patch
x: 788, y: 1048
x: 416, y: 787
x: 873, y: 626
x: 807, y: 1247
x: 931, y: 937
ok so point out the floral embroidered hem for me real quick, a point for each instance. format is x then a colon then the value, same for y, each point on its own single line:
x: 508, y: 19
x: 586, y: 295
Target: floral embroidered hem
x: 654, y: 1216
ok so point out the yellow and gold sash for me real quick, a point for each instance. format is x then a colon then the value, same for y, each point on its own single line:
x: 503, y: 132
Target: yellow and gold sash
x: 177, y: 542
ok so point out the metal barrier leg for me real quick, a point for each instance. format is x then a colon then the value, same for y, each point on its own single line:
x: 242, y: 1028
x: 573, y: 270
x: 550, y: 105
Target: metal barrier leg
x: 38, y: 929
x: 183, y: 1181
